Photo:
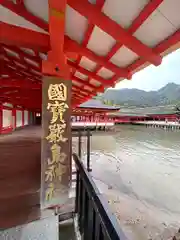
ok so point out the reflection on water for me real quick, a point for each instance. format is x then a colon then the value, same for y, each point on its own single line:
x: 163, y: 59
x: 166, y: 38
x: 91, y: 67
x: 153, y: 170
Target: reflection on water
x: 138, y: 169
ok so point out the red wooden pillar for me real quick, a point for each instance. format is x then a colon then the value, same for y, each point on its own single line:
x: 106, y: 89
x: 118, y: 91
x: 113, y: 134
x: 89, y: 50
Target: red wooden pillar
x: 22, y: 117
x: 1, y: 119
x: 56, y: 92
x: 14, y: 118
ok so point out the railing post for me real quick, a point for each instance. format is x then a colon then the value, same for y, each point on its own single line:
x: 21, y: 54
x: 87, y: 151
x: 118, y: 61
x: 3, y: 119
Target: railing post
x: 79, y: 144
x: 88, y: 150
x: 80, y: 205
x: 77, y: 193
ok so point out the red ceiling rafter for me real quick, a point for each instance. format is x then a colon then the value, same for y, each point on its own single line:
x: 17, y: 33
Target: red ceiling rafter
x: 23, y: 92
x: 28, y: 34
x: 19, y: 71
x: 168, y: 43
x: 31, y: 67
x: 104, y: 81
x: 85, y: 82
x: 98, y: 78
x: 23, y: 54
x: 29, y: 44
x: 21, y: 10
x: 22, y: 37
x: 150, y: 7
x: 115, y: 30
x: 26, y: 70
x: 89, y: 73
x: 38, y: 60
x: 76, y: 90
x: 138, y: 21
x: 40, y: 42
x: 78, y: 96
x: 73, y: 46
x: 15, y: 75
x: 27, y: 38
x: 6, y: 92
x: 160, y: 48
x: 21, y: 102
x: 83, y: 94
x: 99, y: 5
x: 84, y: 91
x: 9, y: 82
x: 6, y: 70
x: 27, y: 98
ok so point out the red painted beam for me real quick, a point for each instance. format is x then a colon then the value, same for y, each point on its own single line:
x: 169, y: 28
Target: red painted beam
x: 86, y: 83
x: 22, y: 102
x: 23, y: 54
x: 18, y: 74
x: 73, y: 46
x: 13, y: 73
x: 8, y: 82
x: 1, y: 119
x: 90, y: 74
x: 78, y: 96
x: 21, y: 10
x: 84, y: 91
x: 115, y: 30
x: 160, y: 48
x: 138, y: 21
x: 30, y: 66
x: 26, y: 38
x: 11, y: 85
x: 81, y: 93
x: 20, y: 93
x: 23, y: 37
x: 167, y: 43
x: 99, y: 5
x: 5, y: 69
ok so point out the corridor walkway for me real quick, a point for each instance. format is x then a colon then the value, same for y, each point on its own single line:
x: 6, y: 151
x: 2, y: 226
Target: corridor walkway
x: 20, y: 172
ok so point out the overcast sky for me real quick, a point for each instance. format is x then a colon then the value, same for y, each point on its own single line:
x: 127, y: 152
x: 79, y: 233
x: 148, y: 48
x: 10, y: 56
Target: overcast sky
x: 153, y: 78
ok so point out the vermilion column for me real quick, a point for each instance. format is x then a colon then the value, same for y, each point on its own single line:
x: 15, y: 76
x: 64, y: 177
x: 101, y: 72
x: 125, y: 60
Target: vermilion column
x: 56, y: 114
x: 1, y: 119
x: 14, y: 117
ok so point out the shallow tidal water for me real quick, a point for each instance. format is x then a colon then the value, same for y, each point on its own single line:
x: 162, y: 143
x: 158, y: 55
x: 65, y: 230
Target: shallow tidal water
x: 138, y: 170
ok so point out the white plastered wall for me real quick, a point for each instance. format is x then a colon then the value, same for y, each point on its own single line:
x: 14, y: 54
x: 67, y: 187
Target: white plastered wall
x: 7, y: 118
x: 18, y: 118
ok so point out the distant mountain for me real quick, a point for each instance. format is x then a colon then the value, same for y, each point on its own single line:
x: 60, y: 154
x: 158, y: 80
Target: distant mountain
x: 170, y: 94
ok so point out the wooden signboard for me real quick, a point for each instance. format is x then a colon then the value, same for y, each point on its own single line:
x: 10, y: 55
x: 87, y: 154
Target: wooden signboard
x: 56, y: 141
